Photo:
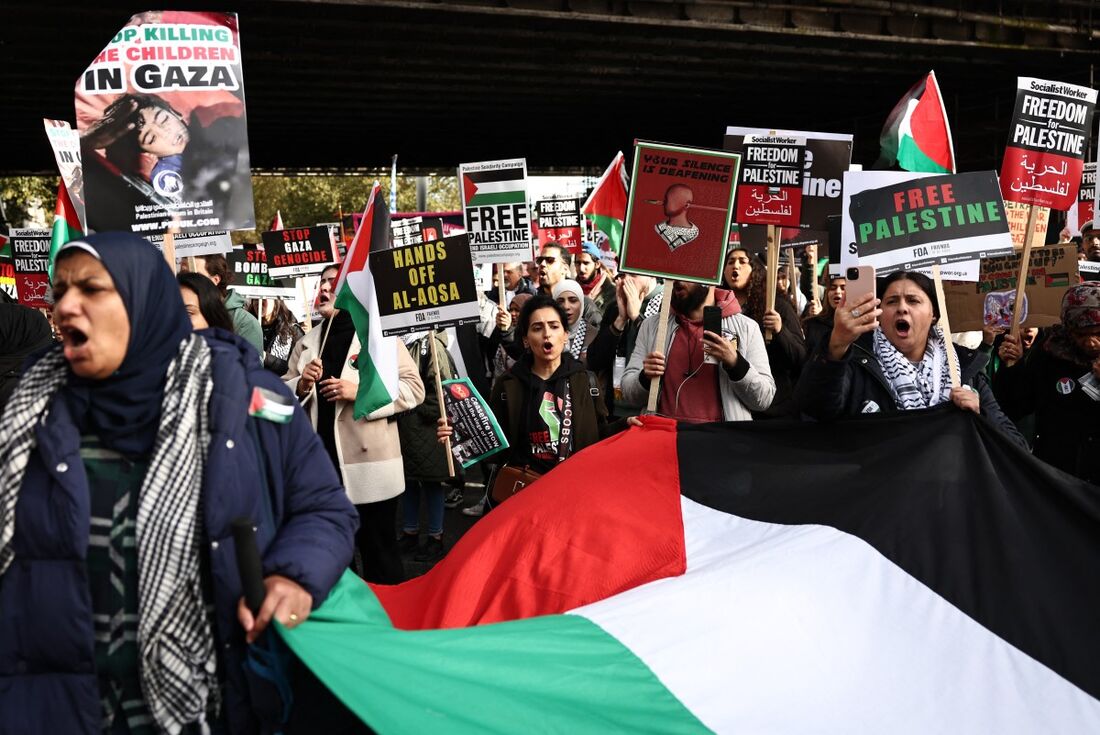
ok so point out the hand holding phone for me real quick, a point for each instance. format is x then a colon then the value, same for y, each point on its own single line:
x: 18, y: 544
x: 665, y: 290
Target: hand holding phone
x: 712, y: 322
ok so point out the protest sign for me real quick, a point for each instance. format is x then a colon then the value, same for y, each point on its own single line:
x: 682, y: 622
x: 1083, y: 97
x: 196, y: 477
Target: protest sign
x: 7, y: 277
x: 828, y: 156
x: 477, y: 434
x: 30, y: 251
x: 559, y: 220
x: 195, y: 243
x: 425, y: 286
x: 65, y: 143
x: 415, y: 230
x: 299, y: 250
x: 1047, y: 143
x: 1017, y: 224
x: 250, y: 278
x: 989, y: 302
x: 937, y: 220
x: 770, y: 190
x: 679, y: 212
x: 494, y: 204
x: 1083, y: 212
x: 1089, y: 269
x: 163, y: 137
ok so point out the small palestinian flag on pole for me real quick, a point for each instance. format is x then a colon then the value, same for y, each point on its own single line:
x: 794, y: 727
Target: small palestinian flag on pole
x: 916, y: 135
x: 356, y: 294
x: 606, y: 205
x: 66, y: 223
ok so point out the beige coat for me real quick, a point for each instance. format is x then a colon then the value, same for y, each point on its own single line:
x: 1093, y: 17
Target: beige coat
x: 369, y: 450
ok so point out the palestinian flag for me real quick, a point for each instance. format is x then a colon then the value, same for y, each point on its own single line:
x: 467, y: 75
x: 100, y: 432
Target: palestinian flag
x: 910, y: 572
x: 497, y: 186
x: 916, y: 135
x: 66, y: 224
x: 356, y: 293
x: 606, y: 205
x: 277, y: 222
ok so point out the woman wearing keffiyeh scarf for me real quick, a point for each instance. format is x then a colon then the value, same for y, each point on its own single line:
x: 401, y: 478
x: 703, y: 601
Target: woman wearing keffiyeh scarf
x: 887, y: 355
x: 583, y: 327
x: 127, y: 452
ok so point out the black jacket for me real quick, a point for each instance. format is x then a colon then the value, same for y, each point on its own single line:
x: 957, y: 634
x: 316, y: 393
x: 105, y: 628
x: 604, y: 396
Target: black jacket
x: 1067, y: 421
x: 786, y: 355
x: 831, y: 389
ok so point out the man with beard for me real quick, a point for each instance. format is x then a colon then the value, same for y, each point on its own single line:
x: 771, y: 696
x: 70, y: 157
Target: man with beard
x: 705, y: 376
x: 594, y: 279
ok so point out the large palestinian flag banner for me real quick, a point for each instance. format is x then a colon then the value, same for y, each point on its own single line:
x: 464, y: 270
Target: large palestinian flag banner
x: 494, y: 204
x: 909, y: 573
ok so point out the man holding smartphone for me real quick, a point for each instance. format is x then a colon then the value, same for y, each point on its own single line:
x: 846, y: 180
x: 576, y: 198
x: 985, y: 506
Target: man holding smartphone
x: 716, y: 374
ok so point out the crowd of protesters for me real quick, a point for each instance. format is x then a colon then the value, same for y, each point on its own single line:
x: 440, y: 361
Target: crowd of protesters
x: 132, y: 402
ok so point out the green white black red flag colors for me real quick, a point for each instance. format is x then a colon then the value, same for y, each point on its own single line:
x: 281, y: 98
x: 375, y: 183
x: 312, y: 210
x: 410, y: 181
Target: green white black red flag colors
x: 357, y: 294
x: 163, y: 136
x: 917, y: 136
x: 494, y: 203
x: 770, y: 191
x: 1047, y: 143
x: 742, y: 579
x: 679, y: 212
x: 429, y: 285
x: 606, y: 205
x: 65, y: 143
x: 932, y: 220
x: 66, y: 223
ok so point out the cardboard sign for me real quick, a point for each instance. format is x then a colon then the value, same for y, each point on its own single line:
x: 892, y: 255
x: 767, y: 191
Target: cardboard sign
x: 163, y: 136
x: 30, y: 251
x: 415, y: 230
x: 559, y: 220
x: 1047, y: 143
x: 248, y: 264
x: 425, y: 286
x: 65, y: 143
x: 477, y: 434
x: 1017, y: 224
x: 679, y: 212
x: 828, y: 156
x: 299, y: 250
x: 938, y: 219
x: 196, y: 243
x: 770, y: 192
x: 494, y: 204
x: 989, y: 301
x: 1083, y: 212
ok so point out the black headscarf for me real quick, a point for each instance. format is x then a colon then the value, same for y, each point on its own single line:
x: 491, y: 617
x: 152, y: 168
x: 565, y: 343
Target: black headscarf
x: 124, y: 409
x: 23, y: 331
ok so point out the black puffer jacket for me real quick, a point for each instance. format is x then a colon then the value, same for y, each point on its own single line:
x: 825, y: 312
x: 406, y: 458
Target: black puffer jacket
x: 830, y: 389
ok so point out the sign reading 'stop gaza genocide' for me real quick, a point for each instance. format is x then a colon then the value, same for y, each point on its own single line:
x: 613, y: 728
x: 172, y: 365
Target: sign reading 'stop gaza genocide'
x: 494, y: 201
x: 1047, y: 143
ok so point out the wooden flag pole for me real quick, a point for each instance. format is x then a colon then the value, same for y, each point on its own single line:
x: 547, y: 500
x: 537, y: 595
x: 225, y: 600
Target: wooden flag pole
x: 307, y: 322
x: 945, y: 326
x: 772, y: 274
x: 1021, y: 276
x: 442, y: 407
x: 191, y: 263
x: 500, y: 288
x: 659, y: 345
x: 169, y: 249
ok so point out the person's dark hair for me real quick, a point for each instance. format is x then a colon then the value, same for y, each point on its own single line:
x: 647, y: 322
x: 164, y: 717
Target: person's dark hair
x: 217, y: 265
x: 210, y: 300
x: 541, y: 301
x: 754, y: 306
x: 563, y: 252
x: 283, y: 319
x: 144, y: 101
x: 924, y: 283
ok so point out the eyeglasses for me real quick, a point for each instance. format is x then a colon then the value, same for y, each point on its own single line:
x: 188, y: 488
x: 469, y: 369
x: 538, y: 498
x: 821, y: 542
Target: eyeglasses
x: 547, y: 259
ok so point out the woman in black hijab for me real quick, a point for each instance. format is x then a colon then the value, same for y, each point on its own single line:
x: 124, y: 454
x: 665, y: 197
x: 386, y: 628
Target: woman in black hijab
x: 23, y: 331
x: 128, y: 453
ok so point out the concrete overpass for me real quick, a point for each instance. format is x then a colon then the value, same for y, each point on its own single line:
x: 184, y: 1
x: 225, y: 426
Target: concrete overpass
x: 346, y: 83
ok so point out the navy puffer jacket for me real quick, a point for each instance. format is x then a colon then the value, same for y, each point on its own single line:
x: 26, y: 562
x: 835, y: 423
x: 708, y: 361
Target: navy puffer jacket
x: 47, y: 649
